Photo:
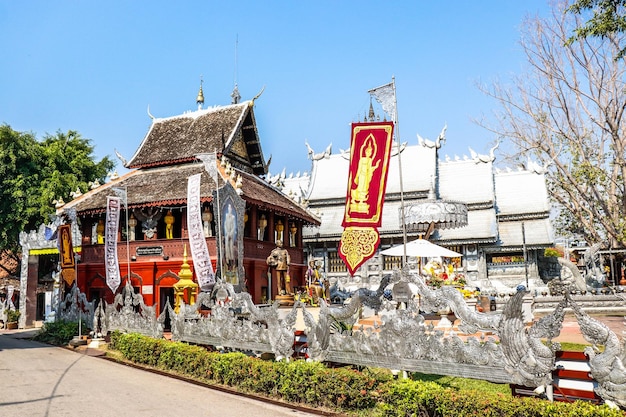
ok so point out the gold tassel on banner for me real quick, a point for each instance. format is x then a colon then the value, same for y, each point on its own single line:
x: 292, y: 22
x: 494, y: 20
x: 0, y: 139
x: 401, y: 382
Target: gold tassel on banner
x: 69, y: 275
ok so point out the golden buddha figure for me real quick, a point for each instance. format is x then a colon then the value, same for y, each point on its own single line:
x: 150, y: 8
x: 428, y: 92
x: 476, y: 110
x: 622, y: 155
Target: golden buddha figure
x: 100, y: 232
x: 359, y: 192
x: 169, y: 225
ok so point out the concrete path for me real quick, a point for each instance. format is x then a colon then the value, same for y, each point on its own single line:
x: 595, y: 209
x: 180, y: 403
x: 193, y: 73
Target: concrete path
x: 43, y: 381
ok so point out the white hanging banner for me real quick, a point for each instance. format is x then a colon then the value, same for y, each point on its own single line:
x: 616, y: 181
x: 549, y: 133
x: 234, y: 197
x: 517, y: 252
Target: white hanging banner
x: 10, y: 290
x: 110, y: 244
x: 199, y: 250
x: 386, y: 96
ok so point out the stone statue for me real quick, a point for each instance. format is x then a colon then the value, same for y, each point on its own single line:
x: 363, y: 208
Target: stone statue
x: 318, y: 287
x: 279, y: 259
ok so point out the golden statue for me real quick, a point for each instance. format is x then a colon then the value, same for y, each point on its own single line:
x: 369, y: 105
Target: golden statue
x: 100, y: 232
x: 359, y: 192
x: 169, y: 225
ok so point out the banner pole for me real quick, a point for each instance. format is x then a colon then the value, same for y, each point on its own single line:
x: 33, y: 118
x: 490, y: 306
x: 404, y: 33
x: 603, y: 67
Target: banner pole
x: 219, y: 225
x: 397, y: 137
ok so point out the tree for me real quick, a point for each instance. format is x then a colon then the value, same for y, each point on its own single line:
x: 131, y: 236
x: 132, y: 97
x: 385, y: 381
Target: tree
x: 34, y: 173
x: 566, y: 112
x: 608, y: 19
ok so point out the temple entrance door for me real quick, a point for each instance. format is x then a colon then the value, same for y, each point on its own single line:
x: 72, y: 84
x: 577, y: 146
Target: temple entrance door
x: 41, y: 306
x: 166, y: 294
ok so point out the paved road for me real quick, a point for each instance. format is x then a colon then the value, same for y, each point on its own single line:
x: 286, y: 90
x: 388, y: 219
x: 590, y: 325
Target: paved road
x: 38, y: 380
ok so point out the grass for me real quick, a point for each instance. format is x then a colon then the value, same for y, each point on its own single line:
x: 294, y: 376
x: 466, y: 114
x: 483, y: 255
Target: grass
x: 462, y: 383
x: 573, y: 347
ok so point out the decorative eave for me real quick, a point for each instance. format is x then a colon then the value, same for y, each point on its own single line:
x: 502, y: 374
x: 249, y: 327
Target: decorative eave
x: 522, y: 216
x: 457, y: 242
x: 258, y: 193
x: 515, y: 248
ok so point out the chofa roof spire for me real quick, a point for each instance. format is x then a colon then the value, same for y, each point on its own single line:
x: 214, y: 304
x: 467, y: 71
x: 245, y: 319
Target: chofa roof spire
x: 235, y: 95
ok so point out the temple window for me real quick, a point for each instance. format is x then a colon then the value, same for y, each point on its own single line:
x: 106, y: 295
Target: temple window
x: 335, y: 263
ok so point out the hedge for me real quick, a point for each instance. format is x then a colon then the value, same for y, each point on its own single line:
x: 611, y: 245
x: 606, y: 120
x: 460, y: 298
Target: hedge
x: 372, y: 392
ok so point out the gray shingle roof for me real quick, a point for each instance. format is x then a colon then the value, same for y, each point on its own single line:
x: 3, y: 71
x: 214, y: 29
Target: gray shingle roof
x: 228, y: 129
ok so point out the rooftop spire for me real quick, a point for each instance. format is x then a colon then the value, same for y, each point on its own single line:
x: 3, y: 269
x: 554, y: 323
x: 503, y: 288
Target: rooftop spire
x: 200, y: 98
x: 235, y: 95
x: 371, y: 114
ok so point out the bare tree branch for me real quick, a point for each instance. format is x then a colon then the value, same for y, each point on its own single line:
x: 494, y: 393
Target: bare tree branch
x: 567, y: 111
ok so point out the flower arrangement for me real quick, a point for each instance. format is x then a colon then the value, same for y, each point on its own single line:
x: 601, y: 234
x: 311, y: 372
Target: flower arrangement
x: 439, y: 276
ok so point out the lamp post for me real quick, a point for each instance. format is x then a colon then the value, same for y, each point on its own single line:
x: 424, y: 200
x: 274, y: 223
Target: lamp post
x: 525, y: 254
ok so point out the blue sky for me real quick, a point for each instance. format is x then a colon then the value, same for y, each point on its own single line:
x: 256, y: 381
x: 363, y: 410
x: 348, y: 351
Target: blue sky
x: 95, y: 67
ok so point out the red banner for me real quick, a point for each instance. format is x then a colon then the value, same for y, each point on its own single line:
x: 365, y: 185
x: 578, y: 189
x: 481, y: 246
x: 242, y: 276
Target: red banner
x: 65, y: 246
x: 357, y: 245
x: 370, y: 150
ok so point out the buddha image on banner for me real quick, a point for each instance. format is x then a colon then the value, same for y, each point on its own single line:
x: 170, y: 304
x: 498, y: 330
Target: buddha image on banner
x: 370, y: 150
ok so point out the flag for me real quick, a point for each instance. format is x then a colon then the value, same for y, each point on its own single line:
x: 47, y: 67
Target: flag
x: 386, y: 96
x: 66, y: 252
x: 370, y: 150
x: 65, y: 246
x: 112, y: 222
x: 210, y: 164
x: 199, y: 250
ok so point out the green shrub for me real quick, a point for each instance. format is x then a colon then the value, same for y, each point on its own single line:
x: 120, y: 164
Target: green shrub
x: 13, y: 315
x: 140, y: 349
x: 417, y: 398
x: 59, y: 332
x: 367, y: 392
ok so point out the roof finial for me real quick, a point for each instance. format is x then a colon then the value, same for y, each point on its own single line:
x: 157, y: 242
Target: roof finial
x: 371, y: 115
x: 235, y: 95
x: 200, y: 98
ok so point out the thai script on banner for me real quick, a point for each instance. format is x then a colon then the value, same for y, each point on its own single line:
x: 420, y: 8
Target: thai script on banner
x: 199, y: 250
x: 110, y: 244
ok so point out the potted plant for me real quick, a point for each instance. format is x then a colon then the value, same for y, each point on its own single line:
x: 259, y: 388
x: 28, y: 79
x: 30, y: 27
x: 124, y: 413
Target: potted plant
x: 12, y: 317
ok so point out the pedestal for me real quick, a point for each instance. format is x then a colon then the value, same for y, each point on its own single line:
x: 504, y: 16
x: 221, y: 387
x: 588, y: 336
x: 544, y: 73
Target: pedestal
x: 285, y: 300
x: 444, y: 322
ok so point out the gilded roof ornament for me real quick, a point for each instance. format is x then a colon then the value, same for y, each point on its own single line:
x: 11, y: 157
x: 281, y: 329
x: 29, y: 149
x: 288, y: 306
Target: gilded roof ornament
x: 200, y: 98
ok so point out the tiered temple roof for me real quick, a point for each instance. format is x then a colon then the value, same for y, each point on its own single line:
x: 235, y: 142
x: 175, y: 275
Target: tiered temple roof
x: 167, y: 157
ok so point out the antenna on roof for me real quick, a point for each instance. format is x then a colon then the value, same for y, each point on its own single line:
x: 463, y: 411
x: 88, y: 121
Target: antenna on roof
x: 235, y: 94
x: 200, y: 98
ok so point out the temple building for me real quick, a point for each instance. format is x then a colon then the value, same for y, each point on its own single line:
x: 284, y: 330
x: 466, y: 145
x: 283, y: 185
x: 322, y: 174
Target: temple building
x: 502, y: 241
x: 153, y: 233
x: 499, y: 222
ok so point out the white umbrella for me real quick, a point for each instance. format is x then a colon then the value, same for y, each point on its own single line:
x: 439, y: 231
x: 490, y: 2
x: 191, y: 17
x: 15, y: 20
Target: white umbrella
x: 421, y: 248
